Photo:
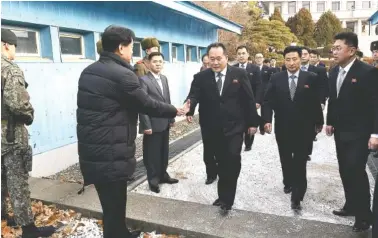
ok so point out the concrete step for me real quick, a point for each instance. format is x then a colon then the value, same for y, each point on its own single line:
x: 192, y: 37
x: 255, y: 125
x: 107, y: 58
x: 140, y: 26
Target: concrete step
x: 187, y: 218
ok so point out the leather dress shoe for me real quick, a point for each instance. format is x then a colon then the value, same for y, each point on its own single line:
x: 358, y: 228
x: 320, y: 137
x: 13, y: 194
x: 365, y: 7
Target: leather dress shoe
x: 287, y: 189
x: 308, y: 158
x: 154, y: 188
x: 210, y: 180
x: 295, y: 205
x: 217, y: 203
x: 225, y: 208
x: 169, y: 181
x: 361, y: 226
x: 247, y: 148
x: 342, y: 213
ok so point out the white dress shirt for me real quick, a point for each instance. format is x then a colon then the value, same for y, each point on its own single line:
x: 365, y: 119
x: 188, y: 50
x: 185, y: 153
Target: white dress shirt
x: 223, y: 77
x: 295, y: 79
x: 244, y: 66
x: 158, y: 79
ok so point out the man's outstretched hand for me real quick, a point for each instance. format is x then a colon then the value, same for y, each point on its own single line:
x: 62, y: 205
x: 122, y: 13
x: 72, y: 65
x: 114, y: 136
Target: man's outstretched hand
x: 185, y: 108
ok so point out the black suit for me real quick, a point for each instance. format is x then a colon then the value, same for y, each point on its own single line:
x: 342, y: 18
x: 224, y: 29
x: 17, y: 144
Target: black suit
x: 223, y: 120
x: 354, y: 116
x: 322, y: 86
x: 156, y: 145
x: 255, y: 79
x: 294, y: 125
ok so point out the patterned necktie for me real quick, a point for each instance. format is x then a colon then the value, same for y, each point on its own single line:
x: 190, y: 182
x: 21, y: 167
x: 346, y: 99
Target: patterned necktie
x: 340, y: 80
x: 219, y: 82
x: 293, y: 86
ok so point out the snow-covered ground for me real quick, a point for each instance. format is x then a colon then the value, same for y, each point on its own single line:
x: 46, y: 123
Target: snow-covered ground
x: 260, y: 187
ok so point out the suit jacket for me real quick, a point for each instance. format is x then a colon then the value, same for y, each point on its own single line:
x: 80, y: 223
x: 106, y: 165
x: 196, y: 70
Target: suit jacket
x: 266, y: 73
x: 322, y: 81
x: 233, y: 111
x: 293, y: 117
x: 354, y: 113
x: 254, y: 76
x: 151, y: 86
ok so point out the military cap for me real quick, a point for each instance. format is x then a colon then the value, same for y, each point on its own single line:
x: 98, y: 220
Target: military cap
x: 149, y: 42
x: 374, y: 45
x: 8, y: 36
x: 99, y: 47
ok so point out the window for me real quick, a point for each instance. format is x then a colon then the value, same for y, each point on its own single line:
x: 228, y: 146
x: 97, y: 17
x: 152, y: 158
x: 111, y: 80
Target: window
x: 278, y: 5
x: 336, y: 6
x: 71, y: 45
x: 137, y: 50
x: 306, y: 4
x: 27, y: 41
x: 351, y: 5
x: 188, y: 53
x: 366, y: 4
x: 292, y: 7
x: 174, y: 53
x: 350, y: 25
x: 320, y: 6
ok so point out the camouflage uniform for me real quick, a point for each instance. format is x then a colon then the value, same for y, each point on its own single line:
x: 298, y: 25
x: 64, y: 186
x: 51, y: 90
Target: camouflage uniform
x: 16, y: 155
x: 141, y: 67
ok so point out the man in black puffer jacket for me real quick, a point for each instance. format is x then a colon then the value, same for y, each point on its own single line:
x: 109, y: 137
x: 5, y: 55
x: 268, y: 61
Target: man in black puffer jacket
x: 109, y: 100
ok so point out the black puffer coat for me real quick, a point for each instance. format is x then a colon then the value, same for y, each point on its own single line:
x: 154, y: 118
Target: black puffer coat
x: 109, y: 100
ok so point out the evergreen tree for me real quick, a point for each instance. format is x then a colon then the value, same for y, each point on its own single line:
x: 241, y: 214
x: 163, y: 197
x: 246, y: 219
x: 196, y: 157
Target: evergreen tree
x: 276, y: 15
x: 302, y: 25
x: 326, y: 28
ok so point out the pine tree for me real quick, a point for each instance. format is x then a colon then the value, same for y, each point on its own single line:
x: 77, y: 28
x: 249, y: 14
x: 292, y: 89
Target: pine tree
x: 326, y: 28
x: 262, y: 34
x: 276, y: 15
x: 302, y: 25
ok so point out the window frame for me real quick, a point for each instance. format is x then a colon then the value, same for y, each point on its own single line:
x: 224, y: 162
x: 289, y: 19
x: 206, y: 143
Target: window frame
x: 339, y: 5
x: 37, y: 39
x: 141, y: 51
x: 72, y: 35
x: 354, y: 5
x: 362, y: 4
x: 309, y: 5
x: 324, y: 6
x: 295, y: 7
x: 188, y: 49
x: 176, y: 58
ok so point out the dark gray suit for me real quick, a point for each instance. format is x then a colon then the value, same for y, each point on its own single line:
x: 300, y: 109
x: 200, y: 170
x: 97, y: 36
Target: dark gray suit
x: 156, y: 145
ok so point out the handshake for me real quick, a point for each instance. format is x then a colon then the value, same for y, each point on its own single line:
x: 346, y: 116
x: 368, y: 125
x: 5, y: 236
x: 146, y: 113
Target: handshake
x: 184, y: 109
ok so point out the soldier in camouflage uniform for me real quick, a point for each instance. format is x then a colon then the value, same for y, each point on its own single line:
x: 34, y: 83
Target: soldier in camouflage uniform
x: 16, y: 154
x: 149, y: 45
x: 374, y: 50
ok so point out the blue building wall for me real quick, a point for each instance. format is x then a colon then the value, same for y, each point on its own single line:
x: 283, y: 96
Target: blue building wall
x: 53, y: 82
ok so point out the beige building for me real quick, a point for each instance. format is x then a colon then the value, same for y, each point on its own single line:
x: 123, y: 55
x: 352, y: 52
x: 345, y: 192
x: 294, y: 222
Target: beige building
x: 352, y: 14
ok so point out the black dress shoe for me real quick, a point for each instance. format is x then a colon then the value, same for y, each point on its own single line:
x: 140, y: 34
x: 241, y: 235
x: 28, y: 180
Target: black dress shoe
x: 287, y: 189
x: 154, y: 188
x: 10, y: 220
x: 225, y: 208
x: 169, y: 180
x: 342, y: 213
x: 361, y: 226
x: 217, y: 203
x: 210, y: 180
x: 308, y: 158
x: 295, y: 205
x: 134, y: 234
x: 248, y: 148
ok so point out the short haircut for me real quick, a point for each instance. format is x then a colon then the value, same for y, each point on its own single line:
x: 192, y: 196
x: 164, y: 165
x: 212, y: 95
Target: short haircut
x: 153, y: 54
x: 359, y: 54
x: 259, y: 55
x: 249, y: 58
x: 114, y: 36
x: 306, y: 48
x: 241, y: 47
x: 290, y: 49
x: 350, y: 38
x: 266, y: 61
x: 315, y: 52
x: 203, y: 56
x: 216, y: 45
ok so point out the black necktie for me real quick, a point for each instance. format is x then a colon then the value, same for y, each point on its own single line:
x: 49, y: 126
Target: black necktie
x: 219, y: 82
